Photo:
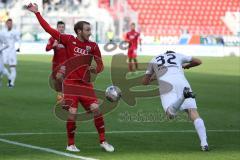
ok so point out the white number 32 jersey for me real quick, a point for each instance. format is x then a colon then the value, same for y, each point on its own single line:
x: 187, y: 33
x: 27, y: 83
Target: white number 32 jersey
x: 171, y: 61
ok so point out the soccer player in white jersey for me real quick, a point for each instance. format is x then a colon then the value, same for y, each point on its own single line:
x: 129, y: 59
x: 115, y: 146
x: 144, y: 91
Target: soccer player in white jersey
x: 3, y: 45
x: 180, y: 97
x: 9, y: 55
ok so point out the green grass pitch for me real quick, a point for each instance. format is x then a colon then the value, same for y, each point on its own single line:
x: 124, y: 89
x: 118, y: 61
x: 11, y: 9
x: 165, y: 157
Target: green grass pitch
x: 28, y: 109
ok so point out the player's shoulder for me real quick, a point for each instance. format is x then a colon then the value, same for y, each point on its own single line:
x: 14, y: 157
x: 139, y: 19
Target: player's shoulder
x: 92, y: 43
x: 3, y: 31
x: 67, y: 35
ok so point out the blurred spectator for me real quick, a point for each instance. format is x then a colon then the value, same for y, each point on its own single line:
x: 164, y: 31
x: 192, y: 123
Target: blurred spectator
x: 110, y: 35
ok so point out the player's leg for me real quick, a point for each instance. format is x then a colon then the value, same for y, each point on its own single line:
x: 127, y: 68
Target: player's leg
x: 1, y: 69
x: 175, y: 106
x: 135, y: 58
x: 130, y: 64
x: 130, y: 60
x: 5, y: 58
x: 199, y: 126
x: 6, y: 72
x: 135, y: 63
x: 167, y: 100
x: 99, y: 124
x: 90, y: 104
x: 13, y: 74
x: 71, y: 103
x: 12, y: 68
x: 6, y: 65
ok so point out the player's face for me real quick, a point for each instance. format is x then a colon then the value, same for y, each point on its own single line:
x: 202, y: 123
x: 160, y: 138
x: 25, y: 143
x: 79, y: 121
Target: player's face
x: 86, y: 32
x: 61, y: 28
x: 132, y: 26
x: 9, y: 25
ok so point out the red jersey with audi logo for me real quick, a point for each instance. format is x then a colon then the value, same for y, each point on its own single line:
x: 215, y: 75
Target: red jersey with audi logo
x: 79, y: 55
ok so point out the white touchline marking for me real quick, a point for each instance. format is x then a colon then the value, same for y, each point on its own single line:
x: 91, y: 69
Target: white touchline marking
x: 46, y: 149
x: 121, y: 132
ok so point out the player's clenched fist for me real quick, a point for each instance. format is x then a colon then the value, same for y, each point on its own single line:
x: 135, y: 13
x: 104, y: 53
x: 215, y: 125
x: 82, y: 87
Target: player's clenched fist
x: 32, y: 7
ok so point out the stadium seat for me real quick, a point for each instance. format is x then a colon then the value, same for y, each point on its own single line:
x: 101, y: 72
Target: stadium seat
x: 182, y: 13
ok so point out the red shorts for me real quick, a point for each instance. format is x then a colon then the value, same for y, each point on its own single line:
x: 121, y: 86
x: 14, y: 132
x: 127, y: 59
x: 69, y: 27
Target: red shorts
x: 75, y: 92
x: 132, y: 53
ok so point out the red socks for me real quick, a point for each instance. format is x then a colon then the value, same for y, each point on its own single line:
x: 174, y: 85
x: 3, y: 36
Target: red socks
x: 71, y: 126
x: 99, y: 123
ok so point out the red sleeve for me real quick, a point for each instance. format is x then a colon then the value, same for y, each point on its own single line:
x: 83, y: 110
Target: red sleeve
x: 50, y: 44
x: 98, y: 59
x: 54, y: 33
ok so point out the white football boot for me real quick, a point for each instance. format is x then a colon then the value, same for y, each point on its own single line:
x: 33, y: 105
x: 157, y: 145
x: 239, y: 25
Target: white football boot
x: 107, y: 147
x: 72, y: 148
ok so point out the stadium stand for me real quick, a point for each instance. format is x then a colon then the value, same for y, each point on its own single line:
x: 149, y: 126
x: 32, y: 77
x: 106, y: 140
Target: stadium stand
x: 170, y: 17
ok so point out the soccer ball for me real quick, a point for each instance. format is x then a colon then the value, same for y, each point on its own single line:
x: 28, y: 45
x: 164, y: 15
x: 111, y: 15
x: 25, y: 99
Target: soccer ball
x: 113, y: 93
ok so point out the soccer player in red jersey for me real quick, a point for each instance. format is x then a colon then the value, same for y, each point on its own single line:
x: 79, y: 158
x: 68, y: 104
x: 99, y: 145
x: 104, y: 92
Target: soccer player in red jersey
x: 133, y: 37
x: 78, y: 48
x: 59, y: 57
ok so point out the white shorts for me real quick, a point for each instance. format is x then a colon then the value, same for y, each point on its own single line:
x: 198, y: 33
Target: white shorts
x: 10, y: 57
x: 171, y: 97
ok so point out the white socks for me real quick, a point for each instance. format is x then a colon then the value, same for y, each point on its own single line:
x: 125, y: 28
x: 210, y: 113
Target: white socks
x: 13, y: 75
x: 201, y: 130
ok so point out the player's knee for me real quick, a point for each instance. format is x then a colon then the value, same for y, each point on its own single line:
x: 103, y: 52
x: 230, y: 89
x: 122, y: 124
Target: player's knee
x: 94, y: 107
x: 170, y: 116
x: 192, y: 113
x: 72, y: 110
x: 72, y: 113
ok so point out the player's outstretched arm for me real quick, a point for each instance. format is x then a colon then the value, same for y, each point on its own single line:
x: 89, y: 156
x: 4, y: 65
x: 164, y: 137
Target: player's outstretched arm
x: 34, y: 8
x: 148, y: 78
x: 195, y: 62
x: 51, y: 44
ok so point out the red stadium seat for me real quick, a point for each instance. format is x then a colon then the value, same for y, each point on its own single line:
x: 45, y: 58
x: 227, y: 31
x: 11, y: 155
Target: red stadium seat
x: 199, y: 16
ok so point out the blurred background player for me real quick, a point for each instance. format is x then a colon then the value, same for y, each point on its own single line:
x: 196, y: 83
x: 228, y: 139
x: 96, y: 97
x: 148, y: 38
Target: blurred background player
x: 79, y: 48
x: 58, y: 58
x: 3, y: 45
x: 9, y: 55
x: 180, y: 97
x: 133, y: 37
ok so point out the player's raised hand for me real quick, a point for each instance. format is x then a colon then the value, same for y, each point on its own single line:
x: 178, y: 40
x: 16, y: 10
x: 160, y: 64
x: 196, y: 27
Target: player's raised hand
x: 32, y: 7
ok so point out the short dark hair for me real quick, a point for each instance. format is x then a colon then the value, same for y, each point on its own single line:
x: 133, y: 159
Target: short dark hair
x: 133, y: 24
x: 9, y: 19
x: 79, y: 25
x: 60, y: 22
x: 170, y: 52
